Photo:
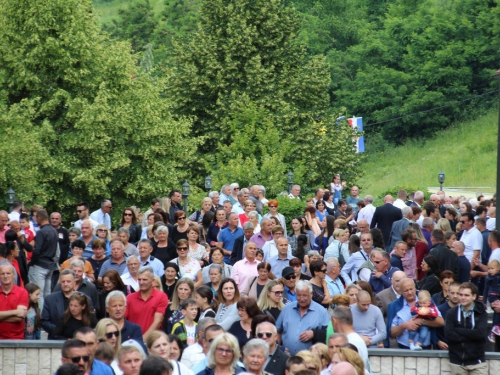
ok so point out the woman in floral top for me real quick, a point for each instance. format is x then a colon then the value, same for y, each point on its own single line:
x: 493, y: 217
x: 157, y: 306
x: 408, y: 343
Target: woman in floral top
x: 188, y: 266
x: 196, y: 251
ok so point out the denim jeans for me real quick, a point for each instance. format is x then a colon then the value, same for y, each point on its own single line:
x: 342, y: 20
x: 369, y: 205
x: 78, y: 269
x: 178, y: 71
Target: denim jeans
x: 41, y: 277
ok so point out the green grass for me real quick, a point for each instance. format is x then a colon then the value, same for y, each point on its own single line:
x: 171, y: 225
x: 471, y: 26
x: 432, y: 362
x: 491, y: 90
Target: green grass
x: 466, y: 152
x: 108, y: 10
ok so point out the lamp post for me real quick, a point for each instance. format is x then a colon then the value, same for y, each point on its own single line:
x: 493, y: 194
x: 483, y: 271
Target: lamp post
x: 208, y: 184
x: 185, y: 195
x: 441, y: 180
x: 290, y: 181
x: 11, y: 197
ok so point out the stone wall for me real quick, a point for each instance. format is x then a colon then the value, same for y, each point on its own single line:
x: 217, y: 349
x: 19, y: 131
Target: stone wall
x: 399, y: 361
x: 29, y: 357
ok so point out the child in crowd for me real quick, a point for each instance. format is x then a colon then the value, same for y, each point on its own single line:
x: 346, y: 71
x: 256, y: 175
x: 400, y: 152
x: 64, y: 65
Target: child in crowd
x: 492, y: 293
x: 426, y: 309
x: 32, y: 322
x: 185, y: 329
x: 336, y: 187
x: 259, y: 256
x: 77, y: 248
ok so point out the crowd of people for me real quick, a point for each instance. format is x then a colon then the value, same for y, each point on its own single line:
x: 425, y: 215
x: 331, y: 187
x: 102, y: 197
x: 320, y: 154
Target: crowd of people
x: 238, y: 287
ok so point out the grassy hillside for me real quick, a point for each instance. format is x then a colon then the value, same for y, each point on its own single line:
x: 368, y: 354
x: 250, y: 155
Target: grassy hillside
x: 108, y: 10
x: 466, y: 152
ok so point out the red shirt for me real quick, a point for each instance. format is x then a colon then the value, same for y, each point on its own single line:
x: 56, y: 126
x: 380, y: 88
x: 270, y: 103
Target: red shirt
x: 17, y: 296
x: 143, y: 312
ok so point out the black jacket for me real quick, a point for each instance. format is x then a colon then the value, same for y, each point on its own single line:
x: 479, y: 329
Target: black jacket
x: 430, y: 282
x: 466, y: 341
x: 383, y: 218
x: 237, y: 253
x: 277, y: 363
x: 447, y: 259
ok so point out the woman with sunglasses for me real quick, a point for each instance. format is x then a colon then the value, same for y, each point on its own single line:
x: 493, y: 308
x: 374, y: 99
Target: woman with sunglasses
x: 255, y: 285
x: 188, y: 266
x: 76, y: 316
x: 179, y: 231
x: 129, y: 221
x: 271, y: 300
x: 242, y: 330
x: 321, y: 294
x: 102, y: 232
x: 107, y: 330
x: 273, y: 212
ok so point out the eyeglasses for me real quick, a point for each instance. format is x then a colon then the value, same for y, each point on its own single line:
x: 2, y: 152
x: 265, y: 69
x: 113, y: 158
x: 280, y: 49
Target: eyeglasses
x: 272, y: 206
x: 182, y: 218
x: 125, y: 214
x: 277, y: 293
x: 102, y: 230
x: 323, y: 270
x: 111, y: 334
x: 182, y: 248
x: 85, y: 358
x: 110, y: 207
x: 377, y: 261
x: 79, y: 211
x: 290, y: 277
x: 463, y: 222
x: 261, y: 335
x: 224, y: 351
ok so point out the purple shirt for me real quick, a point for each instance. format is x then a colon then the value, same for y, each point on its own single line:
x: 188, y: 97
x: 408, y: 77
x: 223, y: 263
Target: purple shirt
x: 259, y: 240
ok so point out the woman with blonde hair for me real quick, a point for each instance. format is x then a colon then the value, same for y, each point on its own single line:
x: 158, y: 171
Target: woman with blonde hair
x: 197, y: 216
x: 421, y: 248
x: 157, y: 344
x: 443, y: 225
x: 321, y: 350
x: 107, y: 330
x: 312, y: 361
x: 184, y: 289
x: 349, y: 355
x: 271, y: 299
x: 223, y: 356
x: 103, y: 232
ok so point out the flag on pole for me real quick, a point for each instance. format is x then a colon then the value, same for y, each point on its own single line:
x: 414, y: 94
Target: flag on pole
x: 357, y: 123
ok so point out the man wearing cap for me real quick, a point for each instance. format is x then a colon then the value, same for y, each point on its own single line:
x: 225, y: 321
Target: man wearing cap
x: 290, y: 278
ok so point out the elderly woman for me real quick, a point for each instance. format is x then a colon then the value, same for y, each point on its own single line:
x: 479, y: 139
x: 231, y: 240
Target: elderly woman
x: 164, y: 249
x: 129, y: 221
x: 188, y: 266
x: 255, y: 356
x: 102, y: 232
x: 223, y: 356
x: 273, y: 212
x: 74, y: 233
x: 217, y: 257
x: 215, y: 274
x: 158, y: 344
x: 339, y: 248
x: 253, y: 217
x: 130, y: 249
x: 197, y: 216
x: 228, y: 295
x: 256, y: 284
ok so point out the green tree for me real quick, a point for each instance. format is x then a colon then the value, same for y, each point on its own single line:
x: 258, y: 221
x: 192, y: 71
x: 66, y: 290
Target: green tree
x: 98, y: 128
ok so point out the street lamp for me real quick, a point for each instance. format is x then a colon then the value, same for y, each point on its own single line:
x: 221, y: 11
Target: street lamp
x: 208, y: 184
x: 290, y: 181
x: 441, y: 180
x: 185, y: 195
x: 11, y: 197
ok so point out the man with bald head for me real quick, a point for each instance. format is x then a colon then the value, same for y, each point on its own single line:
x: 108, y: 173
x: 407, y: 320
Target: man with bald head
x: 245, y: 269
x: 368, y: 321
x: 255, y: 191
x: 282, y: 259
x: 464, y: 267
x: 4, y: 219
x: 385, y: 216
x: 492, y: 221
x: 265, y: 234
x: 385, y: 297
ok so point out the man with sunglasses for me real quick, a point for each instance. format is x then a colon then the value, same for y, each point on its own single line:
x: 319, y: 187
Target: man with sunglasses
x: 290, y: 278
x: 89, y: 337
x: 471, y: 237
x: 82, y: 211
x: 102, y: 215
x: 276, y: 361
x: 349, y: 271
x: 76, y: 352
x: 380, y: 278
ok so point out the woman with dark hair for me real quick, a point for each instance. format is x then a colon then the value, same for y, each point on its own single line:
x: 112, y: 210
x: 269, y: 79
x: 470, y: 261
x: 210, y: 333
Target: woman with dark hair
x: 330, y: 206
x: 169, y: 279
x: 247, y: 310
x: 321, y: 294
x: 207, y: 220
x: 326, y: 236
x: 32, y: 322
x: 215, y: 227
x: 254, y: 286
x: 312, y: 221
x: 76, y: 316
x: 111, y: 281
x: 354, y: 244
x: 465, y: 207
x: 228, y: 295
x: 302, y: 248
x: 298, y: 268
x: 188, y: 266
x: 321, y: 212
x: 451, y: 214
x: 204, y: 298
x: 365, y: 285
x: 430, y: 281
x: 180, y: 228
x: 378, y: 238
x: 297, y: 230
x: 216, y: 257
x: 196, y: 250
x: 11, y: 255
x: 129, y: 221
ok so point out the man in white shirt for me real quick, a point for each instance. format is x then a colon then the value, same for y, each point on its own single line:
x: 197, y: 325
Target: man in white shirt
x: 471, y: 237
x: 194, y: 353
x: 102, y: 215
x: 82, y: 210
x: 350, y: 270
x: 242, y: 195
x: 400, y: 202
x: 130, y: 278
x: 367, y: 211
x: 492, y: 221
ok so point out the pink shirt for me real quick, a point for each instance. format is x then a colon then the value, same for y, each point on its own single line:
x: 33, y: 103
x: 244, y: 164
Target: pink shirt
x: 410, y: 263
x: 243, y: 270
x: 2, y: 233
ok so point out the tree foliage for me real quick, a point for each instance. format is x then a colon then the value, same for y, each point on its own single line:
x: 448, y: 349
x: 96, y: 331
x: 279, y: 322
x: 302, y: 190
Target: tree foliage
x: 95, y: 127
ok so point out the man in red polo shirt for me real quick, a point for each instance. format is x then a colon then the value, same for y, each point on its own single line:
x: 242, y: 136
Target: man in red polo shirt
x: 13, y: 305
x: 147, y: 306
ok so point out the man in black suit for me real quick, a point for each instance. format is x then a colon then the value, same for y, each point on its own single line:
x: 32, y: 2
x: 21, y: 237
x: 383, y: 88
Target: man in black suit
x: 277, y: 358
x: 240, y: 242
x: 399, y: 227
x: 385, y: 216
x: 447, y: 259
x: 388, y: 295
x: 56, y: 303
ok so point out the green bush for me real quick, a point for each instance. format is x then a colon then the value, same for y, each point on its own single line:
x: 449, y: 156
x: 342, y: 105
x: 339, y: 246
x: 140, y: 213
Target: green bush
x: 288, y: 208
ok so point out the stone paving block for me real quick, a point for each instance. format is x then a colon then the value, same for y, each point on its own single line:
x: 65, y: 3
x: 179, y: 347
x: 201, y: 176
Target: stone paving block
x: 422, y: 366
x: 44, y: 359
x: 434, y: 365
x: 494, y: 367
x: 445, y: 365
x: 20, y: 369
x: 386, y: 366
x: 33, y: 363
x: 409, y: 372
x: 410, y: 363
x: 375, y: 364
x: 398, y: 365
x: 20, y: 355
x: 8, y: 354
